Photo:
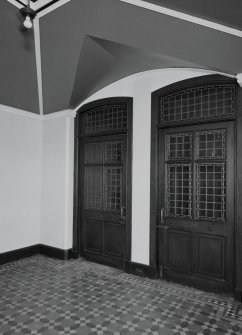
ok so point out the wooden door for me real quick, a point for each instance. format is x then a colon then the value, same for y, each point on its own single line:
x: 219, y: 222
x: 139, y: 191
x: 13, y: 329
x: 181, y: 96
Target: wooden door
x: 196, y: 198
x: 104, y: 199
x: 103, y: 181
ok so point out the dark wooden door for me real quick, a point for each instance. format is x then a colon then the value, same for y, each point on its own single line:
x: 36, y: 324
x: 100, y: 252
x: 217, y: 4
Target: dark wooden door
x: 104, y: 199
x: 196, y: 198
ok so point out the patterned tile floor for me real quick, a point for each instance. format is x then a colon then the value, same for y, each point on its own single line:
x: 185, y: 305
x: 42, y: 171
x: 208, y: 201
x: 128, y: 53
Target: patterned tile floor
x: 40, y: 295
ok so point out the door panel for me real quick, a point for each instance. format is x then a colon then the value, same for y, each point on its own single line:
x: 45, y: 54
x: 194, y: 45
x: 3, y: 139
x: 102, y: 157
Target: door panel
x: 92, y: 233
x: 196, y: 190
x: 112, y: 239
x: 209, y: 255
x: 178, y: 250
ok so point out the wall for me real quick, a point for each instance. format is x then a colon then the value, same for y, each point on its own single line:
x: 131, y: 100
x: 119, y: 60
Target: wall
x: 57, y: 182
x: 139, y: 87
x: 20, y: 195
x: 37, y: 169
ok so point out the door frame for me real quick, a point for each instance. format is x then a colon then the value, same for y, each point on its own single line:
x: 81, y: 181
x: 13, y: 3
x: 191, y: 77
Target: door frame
x: 77, y: 222
x: 155, y: 126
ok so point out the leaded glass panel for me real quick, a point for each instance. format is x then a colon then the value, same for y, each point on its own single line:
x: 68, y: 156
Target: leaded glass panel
x: 210, y: 191
x: 113, y: 152
x: 180, y: 146
x: 200, y: 103
x: 211, y: 144
x: 104, y: 119
x: 93, y: 187
x: 93, y: 153
x: 112, y: 188
x: 103, y: 175
x: 179, y: 190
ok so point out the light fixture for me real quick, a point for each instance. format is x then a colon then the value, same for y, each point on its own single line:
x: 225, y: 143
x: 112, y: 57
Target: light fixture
x: 28, y: 15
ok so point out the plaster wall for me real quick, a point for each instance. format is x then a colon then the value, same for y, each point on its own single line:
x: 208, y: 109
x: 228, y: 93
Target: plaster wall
x: 57, y: 182
x: 20, y: 180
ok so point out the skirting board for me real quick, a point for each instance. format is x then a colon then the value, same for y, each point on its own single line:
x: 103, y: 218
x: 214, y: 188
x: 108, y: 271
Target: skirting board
x: 15, y: 255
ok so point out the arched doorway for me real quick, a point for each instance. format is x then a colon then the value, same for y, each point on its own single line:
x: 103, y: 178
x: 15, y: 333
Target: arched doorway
x: 103, y: 181
x: 193, y: 182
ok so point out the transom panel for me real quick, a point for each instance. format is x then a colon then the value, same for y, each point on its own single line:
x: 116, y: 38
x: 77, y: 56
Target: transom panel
x: 106, y: 118
x: 200, y: 103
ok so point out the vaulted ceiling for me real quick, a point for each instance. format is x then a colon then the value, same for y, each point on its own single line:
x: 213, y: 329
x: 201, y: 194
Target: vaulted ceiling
x: 79, y: 46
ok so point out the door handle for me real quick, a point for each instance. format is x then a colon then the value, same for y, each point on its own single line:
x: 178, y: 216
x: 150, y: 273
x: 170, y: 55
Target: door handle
x: 123, y: 210
x: 162, y: 216
x: 162, y: 220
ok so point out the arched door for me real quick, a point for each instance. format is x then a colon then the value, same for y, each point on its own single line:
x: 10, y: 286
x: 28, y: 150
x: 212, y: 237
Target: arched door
x: 103, y: 197
x: 195, y: 184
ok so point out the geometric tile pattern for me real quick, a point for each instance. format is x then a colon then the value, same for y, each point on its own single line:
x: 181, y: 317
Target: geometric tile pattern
x: 45, y: 296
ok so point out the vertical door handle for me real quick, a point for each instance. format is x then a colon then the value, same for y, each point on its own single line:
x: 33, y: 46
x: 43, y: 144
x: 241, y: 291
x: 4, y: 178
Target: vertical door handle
x: 162, y: 216
x: 123, y: 210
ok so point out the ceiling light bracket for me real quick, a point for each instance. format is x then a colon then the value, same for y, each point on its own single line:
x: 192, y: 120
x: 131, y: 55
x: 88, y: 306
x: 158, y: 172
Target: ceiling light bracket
x: 28, y: 11
x: 28, y: 14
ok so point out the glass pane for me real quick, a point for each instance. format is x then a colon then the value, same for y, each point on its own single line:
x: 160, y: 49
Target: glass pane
x: 198, y: 103
x: 210, y: 194
x: 93, y: 187
x: 179, y: 146
x: 211, y: 144
x: 93, y: 153
x: 112, y: 188
x: 105, y: 118
x: 113, y: 152
x: 179, y: 190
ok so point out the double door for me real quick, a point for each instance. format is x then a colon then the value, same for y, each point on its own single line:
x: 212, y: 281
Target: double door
x: 196, y: 200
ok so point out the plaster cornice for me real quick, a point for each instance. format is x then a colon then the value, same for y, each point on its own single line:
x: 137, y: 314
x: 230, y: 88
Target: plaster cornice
x: 22, y: 113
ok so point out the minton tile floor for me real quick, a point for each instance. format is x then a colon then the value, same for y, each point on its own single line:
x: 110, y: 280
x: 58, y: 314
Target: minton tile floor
x: 40, y: 295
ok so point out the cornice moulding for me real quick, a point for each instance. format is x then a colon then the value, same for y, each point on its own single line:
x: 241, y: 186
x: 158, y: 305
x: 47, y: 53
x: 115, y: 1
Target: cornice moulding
x: 23, y: 113
x: 57, y: 115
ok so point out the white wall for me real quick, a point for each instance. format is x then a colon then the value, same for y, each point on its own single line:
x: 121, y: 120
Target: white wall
x: 139, y: 87
x: 36, y: 165
x: 57, y: 182
x: 20, y: 183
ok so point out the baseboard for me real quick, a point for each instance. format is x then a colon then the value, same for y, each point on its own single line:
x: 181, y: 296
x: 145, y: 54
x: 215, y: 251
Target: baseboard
x: 141, y: 270
x: 56, y: 252
x: 46, y: 250
x: 15, y: 255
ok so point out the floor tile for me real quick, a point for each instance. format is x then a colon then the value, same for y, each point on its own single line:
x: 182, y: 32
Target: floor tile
x: 44, y: 296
